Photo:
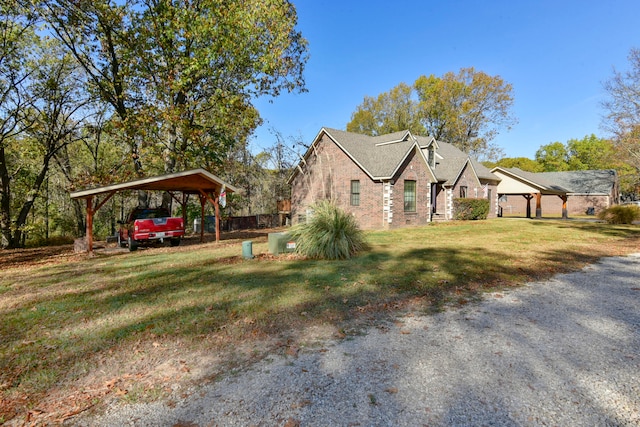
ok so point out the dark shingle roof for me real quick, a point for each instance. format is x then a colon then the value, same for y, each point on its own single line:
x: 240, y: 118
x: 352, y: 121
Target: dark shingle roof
x: 381, y: 155
x: 537, y: 179
x: 583, y: 182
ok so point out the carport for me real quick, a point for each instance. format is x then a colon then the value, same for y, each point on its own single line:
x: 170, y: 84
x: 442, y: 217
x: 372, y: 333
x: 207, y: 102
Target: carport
x: 197, y: 181
x: 514, y: 182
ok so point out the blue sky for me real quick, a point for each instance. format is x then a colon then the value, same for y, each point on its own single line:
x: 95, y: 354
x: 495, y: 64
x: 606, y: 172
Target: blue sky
x: 556, y: 54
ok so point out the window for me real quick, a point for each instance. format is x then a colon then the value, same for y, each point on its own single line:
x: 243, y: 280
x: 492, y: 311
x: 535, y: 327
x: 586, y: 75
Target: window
x: 432, y: 156
x: 355, y: 193
x: 489, y: 194
x: 463, y: 191
x: 409, y: 196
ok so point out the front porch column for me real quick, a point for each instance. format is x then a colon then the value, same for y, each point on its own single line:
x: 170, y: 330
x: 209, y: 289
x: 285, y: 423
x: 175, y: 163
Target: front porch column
x: 538, y: 205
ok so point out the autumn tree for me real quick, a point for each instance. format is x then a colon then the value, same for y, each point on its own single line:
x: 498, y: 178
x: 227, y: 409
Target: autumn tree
x: 17, y: 41
x: 202, y: 65
x: 622, y: 108
x: 181, y: 75
x: 391, y: 111
x: 98, y: 34
x: 52, y: 88
x: 466, y: 109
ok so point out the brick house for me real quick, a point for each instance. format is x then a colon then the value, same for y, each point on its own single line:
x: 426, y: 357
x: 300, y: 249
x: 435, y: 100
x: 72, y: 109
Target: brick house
x: 388, y: 181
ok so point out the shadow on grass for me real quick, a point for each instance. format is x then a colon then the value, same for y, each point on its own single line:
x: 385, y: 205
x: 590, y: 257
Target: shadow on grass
x: 68, y: 313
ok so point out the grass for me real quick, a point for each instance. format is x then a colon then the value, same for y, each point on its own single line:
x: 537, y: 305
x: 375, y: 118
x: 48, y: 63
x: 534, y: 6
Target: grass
x: 80, y: 330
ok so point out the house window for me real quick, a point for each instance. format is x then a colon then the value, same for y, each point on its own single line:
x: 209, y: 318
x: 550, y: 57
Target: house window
x: 432, y: 156
x: 409, y: 196
x: 463, y: 191
x: 355, y: 193
x: 489, y: 194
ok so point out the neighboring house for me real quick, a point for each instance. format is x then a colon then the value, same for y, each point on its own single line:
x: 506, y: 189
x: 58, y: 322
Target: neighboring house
x: 582, y: 192
x: 388, y: 181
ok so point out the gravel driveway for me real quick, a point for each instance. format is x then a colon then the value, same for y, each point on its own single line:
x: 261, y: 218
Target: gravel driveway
x: 560, y: 352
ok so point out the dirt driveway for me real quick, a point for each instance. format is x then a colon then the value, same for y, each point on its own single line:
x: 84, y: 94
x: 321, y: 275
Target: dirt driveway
x: 560, y: 352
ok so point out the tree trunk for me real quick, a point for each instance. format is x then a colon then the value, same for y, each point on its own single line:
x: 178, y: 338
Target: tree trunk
x: 5, y: 201
x: 17, y: 240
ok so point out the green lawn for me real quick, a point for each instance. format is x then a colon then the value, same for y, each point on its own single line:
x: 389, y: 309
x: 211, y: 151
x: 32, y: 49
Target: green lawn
x: 129, y: 325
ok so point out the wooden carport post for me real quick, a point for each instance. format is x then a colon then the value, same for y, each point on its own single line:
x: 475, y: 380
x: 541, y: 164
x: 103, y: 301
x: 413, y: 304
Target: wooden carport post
x: 565, y: 215
x: 90, y: 212
x: 214, y: 202
x: 538, y: 205
x: 89, y: 225
x: 528, y: 197
x: 203, y: 200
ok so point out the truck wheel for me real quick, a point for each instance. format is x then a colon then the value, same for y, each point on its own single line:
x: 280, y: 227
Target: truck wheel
x: 174, y: 241
x: 133, y: 246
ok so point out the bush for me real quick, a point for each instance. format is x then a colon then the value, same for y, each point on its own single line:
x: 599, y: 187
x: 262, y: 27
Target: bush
x: 620, y: 214
x: 466, y: 209
x: 330, y: 233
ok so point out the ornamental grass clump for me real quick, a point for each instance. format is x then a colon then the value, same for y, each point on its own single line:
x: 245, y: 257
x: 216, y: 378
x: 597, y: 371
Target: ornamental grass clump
x: 329, y: 233
x: 620, y: 214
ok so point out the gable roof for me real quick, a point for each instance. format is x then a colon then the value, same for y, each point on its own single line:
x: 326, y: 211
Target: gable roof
x: 585, y: 181
x: 535, y: 180
x: 601, y: 182
x: 381, y: 156
x: 450, y: 162
x: 191, y: 181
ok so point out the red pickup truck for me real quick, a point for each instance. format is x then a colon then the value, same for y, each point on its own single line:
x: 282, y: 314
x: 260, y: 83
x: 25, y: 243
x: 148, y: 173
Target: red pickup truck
x: 150, y: 225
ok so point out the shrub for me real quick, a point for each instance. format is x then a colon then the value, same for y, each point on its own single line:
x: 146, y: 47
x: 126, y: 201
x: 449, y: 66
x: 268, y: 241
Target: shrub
x: 620, y: 214
x: 466, y: 209
x: 330, y: 233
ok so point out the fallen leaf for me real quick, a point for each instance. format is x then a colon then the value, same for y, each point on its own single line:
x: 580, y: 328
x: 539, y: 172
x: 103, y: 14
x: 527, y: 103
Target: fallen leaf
x: 292, y: 422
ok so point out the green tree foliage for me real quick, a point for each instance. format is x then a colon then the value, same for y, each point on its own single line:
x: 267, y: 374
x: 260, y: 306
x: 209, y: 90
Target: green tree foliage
x: 203, y: 62
x: 553, y: 157
x: 100, y: 37
x: 173, y: 83
x: 390, y: 112
x: 588, y: 153
x: 591, y: 152
x: 17, y: 41
x: 522, y: 163
x: 181, y: 75
x: 54, y: 112
x: 466, y: 109
x: 623, y: 112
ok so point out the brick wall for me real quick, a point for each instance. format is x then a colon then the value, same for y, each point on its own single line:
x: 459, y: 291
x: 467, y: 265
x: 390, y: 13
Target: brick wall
x: 414, y: 169
x: 475, y: 190
x: 552, y: 205
x: 328, y: 175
